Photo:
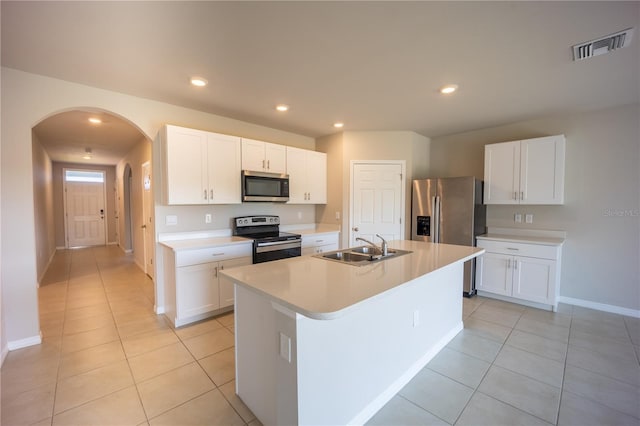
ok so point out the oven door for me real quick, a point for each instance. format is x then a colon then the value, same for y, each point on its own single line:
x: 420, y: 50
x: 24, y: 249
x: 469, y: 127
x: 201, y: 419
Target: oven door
x: 275, y: 250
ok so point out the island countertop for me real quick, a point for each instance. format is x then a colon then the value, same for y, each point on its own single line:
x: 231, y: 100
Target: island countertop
x: 324, y: 289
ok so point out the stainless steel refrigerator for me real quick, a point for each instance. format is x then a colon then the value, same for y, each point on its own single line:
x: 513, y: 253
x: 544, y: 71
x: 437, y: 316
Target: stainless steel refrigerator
x: 449, y: 210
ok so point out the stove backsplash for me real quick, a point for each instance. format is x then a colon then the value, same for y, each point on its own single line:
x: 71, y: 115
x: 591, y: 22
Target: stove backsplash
x: 192, y: 218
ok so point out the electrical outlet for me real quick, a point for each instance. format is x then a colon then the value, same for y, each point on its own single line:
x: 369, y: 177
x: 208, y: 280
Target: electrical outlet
x: 171, y: 220
x: 337, y: 215
x: 299, y: 215
x: 528, y: 218
x: 207, y: 218
x: 518, y: 217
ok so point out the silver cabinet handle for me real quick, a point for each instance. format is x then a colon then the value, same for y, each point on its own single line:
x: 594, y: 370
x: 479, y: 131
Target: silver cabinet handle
x: 205, y: 194
x: 508, y: 263
x: 268, y: 164
x: 515, y: 196
x: 263, y: 164
x: 215, y: 272
x: 211, y: 192
x: 521, y: 196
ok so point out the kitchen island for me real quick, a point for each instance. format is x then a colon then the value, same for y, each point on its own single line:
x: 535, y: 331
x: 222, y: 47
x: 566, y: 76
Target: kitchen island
x: 321, y: 342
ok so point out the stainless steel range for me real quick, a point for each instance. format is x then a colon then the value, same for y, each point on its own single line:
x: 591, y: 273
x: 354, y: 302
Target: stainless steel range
x: 268, y: 242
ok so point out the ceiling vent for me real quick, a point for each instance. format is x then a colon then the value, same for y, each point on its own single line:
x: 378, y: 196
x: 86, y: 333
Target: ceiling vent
x: 602, y: 45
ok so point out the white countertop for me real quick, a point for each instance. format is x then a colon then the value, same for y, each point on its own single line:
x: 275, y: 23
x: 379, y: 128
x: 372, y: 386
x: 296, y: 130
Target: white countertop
x: 318, y: 229
x: 198, y: 243
x: 324, y: 289
x: 522, y: 239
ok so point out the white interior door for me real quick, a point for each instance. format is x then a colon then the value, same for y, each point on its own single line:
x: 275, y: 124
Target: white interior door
x: 377, y: 201
x: 147, y: 220
x: 84, y: 207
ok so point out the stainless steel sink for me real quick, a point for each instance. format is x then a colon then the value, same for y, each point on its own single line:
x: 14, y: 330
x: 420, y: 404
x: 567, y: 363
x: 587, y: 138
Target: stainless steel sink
x: 359, y: 256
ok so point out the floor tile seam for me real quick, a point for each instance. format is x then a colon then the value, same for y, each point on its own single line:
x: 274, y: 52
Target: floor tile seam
x: 472, y: 355
x: 494, y: 322
x: 181, y: 404
x: 615, y: 356
x: 234, y: 408
x: 84, y: 331
x: 421, y: 408
x: 543, y: 336
x: 597, y: 402
x: 597, y: 374
x: 90, y: 401
x: 63, y: 352
x: 529, y: 377
x: 173, y: 370
x: 607, y: 337
x: 511, y: 345
x: 517, y: 408
x: 482, y: 336
x: 197, y: 335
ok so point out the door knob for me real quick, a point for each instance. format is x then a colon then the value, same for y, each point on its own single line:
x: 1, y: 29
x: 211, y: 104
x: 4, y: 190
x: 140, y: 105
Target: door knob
x: 355, y: 229
x: 144, y: 227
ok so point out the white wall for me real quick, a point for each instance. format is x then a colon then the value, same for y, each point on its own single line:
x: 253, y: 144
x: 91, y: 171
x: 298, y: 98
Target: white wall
x: 27, y: 99
x: 601, y: 214
x: 43, y: 199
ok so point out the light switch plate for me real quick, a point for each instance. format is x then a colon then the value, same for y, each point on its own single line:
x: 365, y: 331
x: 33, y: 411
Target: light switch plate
x: 285, y: 347
x: 207, y: 218
x: 171, y: 219
x: 517, y: 218
x: 528, y: 218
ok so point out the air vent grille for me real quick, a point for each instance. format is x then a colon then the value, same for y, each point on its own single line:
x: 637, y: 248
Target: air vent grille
x: 602, y: 45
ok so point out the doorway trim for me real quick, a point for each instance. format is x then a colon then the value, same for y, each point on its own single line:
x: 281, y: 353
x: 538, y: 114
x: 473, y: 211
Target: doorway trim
x: 403, y: 195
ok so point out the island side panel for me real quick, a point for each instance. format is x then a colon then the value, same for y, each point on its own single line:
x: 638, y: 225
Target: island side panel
x: 349, y: 367
x: 265, y: 381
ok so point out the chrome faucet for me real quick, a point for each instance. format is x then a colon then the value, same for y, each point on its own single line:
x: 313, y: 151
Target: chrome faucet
x: 384, y: 247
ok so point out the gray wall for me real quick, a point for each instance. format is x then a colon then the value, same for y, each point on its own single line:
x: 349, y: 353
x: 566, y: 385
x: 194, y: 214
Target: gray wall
x: 601, y: 214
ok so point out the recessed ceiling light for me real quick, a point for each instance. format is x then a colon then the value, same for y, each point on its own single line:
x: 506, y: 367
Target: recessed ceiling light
x: 282, y: 107
x: 338, y: 125
x: 94, y: 120
x: 198, y: 81
x: 448, y: 89
x: 87, y: 154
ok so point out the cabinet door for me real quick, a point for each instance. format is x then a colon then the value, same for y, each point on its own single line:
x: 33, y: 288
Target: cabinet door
x: 196, y: 290
x: 534, y: 279
x: 317, y: 177
x: 502, y: 173
x: 253, y: 155
x: 226, y: 285
x: 186, y: 166
x: 297, y: 171
x: 224, y: 169
x: 542, y: 170
x: 495, y: 272
x: 276, y: 158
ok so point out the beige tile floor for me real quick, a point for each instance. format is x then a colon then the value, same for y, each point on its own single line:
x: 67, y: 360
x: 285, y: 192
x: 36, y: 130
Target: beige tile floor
x: 107, y: 359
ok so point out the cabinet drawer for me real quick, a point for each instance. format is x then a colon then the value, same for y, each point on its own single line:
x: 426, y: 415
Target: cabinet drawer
x: 314, y: 240
x: 211, y: 254
x: 520, y: 249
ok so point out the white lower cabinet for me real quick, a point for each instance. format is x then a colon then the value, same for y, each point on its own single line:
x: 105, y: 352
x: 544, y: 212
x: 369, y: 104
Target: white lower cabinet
x: 519, y: 271
x: 320, y: 243
x: 194, y: 289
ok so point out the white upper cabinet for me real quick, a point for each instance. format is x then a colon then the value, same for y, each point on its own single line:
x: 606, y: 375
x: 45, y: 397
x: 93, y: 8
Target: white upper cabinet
x: 201, y: 167
x: 263, y: 156
x: 307, y: 176
x: 530, y: 171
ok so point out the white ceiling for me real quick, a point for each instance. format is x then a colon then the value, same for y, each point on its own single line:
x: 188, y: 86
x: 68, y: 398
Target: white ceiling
x: 373, y: 65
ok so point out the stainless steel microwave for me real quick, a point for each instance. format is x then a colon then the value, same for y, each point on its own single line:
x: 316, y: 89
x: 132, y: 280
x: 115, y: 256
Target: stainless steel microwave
x: 261, y: 186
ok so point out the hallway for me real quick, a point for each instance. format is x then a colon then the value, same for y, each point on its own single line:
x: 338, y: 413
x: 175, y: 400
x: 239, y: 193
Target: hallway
x: 106, y: 358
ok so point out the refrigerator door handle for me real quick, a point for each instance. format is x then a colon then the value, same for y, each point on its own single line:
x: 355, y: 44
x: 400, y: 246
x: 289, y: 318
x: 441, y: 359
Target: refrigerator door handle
x: 436, y: 219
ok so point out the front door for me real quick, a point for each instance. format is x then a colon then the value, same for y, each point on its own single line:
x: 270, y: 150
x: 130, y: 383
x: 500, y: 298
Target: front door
x: 85, y: 212
x: 377, y: 201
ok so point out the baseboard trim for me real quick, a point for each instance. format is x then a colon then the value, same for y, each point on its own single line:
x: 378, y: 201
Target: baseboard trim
x: 5, y: 352
x: 24, y: 343
x: 600, y: 306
